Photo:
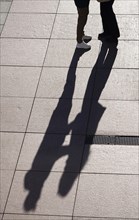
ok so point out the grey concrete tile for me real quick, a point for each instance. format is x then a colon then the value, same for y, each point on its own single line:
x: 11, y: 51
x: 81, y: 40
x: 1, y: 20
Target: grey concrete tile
x: 69, y: 22
x: 4, y: 6
x: 131, y: 7
x: 2, y: 18
x: 1, y: 28
x: 51, y: 153
x: 128, y: 31
x: 10, y: 148
x: 34, y: 6
x: 27, y: 52
x: 1, y: 216
x: 19, y: 81
x: 111, y: 159
x: 15, y: 113
x: 117, y: 84
x: 5, y: 183
x: 127, y: 56
x: 59, y: 116
x: 52, y: 195
x: 55, y: 80
x: 110, y: 117
x: 34, y: 217
x: 107, y: 196
x: 61, y: 53
x: 69, y: 7
x: 28, y: 25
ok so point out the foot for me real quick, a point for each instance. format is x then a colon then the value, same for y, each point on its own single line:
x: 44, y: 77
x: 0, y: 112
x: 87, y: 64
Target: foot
x: 83, y: 45
x: 103, y: 36
x: 86, y: 38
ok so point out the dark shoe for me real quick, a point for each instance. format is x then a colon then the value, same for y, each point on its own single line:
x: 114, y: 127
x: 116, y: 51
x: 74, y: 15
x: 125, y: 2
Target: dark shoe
x: 103, y: 36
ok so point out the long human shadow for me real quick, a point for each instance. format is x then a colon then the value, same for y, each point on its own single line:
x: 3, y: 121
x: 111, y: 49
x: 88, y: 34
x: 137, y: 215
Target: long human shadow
x: 96, y: 83
x: 51, y: 149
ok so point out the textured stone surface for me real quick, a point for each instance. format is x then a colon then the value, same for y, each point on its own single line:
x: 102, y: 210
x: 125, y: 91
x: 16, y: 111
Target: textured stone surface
x: 27, y: 52
x: 34, y: 6
x: 52, y: 201
x: 15, y: 113
x: 107, y: 196
x: 4, y: 6
x: 5, y: 183
x: 19, y: 81
x: 63, y: 52
x: 10, y: 148
x: 110, y: 117
x: 51, y: 153
x: 59, y: 116
x: 111, y: 159
x: 28, y: 25
x: 127, y: 56
x: 69, y: 22
x: 3, y: 17
x: 117, y: 84
x: 54, y: 81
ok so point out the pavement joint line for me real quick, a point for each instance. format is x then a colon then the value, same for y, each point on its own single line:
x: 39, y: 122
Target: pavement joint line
x: 79, y: 172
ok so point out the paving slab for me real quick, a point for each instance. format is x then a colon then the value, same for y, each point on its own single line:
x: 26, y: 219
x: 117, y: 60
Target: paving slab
x: 3, y: 17
x: 110, y: 196
x: 34, y: 217
x: 63, y: 52
x: 55, y: 80
x: 131, y: 7
x: 68, y: 7
x: 15, y: 113
x: 19, y: 81
x: 1, y: 28
x: 34, y: 6
x: 50, y: 199
x: 4, y: 6
x: 45, y: 152
x: 28, y: 26
x: 111, y: 159
x: 62, y: 22
x: 109, y: 117
x: 5, y: 183
x: 23, y: 52
x: 116, y: 84
x: 62, y: 116
x: 10, y: 148
x: 128, y: 31
x: 125, y: 59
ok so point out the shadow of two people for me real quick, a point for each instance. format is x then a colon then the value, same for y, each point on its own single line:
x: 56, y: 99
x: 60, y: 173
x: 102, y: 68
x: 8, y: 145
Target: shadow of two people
x: 51, y: 149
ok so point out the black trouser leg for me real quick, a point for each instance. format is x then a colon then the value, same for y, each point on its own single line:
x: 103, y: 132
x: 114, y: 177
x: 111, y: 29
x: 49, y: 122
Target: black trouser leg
x: 109, y: 21
x: 82, y: 19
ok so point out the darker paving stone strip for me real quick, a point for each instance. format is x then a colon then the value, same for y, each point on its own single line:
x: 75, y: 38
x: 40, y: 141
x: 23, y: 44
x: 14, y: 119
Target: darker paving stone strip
x: 112, y: 140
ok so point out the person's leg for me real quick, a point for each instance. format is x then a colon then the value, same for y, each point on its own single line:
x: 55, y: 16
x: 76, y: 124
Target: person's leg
x: 82, y: 19
x: 109, y: 21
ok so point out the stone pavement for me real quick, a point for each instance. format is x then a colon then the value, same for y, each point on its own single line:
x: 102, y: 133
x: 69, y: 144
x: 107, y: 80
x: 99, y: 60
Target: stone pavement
x: 69, y: 119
